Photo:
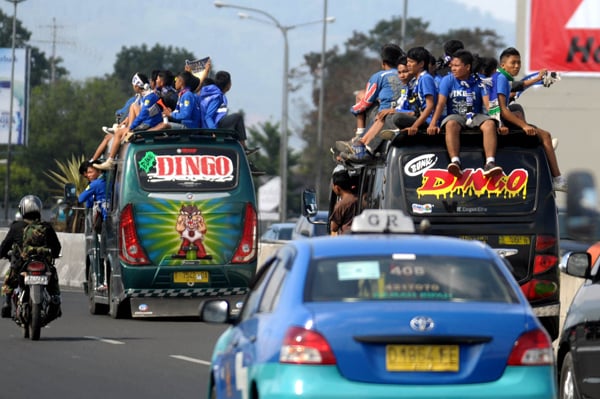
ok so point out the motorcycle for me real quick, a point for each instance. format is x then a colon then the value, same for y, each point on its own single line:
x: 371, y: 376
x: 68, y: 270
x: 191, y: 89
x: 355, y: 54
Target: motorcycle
x: 33, y: 307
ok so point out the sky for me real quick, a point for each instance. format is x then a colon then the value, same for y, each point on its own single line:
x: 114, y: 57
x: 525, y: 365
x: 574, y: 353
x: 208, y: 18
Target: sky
x: 88, y: 35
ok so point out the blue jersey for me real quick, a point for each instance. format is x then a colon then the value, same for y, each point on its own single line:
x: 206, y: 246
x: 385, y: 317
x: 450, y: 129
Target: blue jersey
x: 122, y: 113
x: 502, y: 85
x: 425, y: 86
x: 150, y: 112
x: 95, y: 193
x: 384, y: 87
x: 187, y: 111
x: 213, y: 106
x: 456, y: 92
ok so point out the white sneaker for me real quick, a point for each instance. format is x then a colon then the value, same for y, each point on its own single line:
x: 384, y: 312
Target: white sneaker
x: 555, y: 143
x: 559, y: 183
x: 106, y: 165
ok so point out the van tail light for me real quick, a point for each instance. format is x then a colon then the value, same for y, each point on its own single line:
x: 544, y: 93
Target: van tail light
x: 543, y: 242
x: 537, y: 289
x: 543, y: 263
x: 533, y: 348
x: 247, y: 248
x: 302, y: 346
x: 36, y: 268
x: 130, y: 250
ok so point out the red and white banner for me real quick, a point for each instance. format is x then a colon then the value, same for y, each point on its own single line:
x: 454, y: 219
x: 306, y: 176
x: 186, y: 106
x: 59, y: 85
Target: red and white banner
x: 564, y: 36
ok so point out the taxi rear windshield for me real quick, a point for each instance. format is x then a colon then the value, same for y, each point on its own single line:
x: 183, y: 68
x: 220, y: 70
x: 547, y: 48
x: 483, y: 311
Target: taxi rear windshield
x: 409, y: 277
x: 429, y: 189
x: 179, y: 169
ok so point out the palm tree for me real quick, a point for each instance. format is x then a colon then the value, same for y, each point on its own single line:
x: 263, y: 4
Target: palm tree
x: 68, y: 172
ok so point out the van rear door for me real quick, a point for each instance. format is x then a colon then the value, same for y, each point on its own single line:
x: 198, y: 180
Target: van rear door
x: 193, y: 204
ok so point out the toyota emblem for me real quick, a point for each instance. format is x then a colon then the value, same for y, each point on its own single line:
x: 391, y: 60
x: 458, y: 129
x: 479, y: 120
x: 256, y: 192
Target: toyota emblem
x: 422, y: 323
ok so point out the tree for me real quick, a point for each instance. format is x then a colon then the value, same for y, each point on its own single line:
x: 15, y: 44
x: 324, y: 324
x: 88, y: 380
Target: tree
x: 348, y: 71
x: 142, y: 59
x: 268, y: 138
x: 65, y: 120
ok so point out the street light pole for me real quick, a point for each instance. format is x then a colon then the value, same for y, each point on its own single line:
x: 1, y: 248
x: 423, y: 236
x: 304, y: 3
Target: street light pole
x: 11, y: 110
x: 283, y: 147
x: 321, y: 102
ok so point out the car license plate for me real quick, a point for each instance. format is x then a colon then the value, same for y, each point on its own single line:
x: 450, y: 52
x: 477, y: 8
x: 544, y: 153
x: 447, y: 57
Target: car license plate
x: 514, y: 240
x: 190, y: 277
x: 422, y: 357
x: 36, y: 280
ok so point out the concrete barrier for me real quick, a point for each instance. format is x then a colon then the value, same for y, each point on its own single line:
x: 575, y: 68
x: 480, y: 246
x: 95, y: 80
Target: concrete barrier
x: 71, y: 266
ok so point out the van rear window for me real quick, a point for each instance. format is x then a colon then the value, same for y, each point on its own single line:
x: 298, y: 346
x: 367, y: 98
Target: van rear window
x: 187, y: 168
x: 430, y: 189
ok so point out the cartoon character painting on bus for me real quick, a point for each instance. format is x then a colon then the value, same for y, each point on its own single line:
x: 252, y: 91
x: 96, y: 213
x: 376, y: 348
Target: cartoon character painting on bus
x: 192, y: 230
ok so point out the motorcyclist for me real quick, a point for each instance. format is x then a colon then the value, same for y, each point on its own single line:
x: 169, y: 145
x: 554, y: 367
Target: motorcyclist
x: 30, y: 208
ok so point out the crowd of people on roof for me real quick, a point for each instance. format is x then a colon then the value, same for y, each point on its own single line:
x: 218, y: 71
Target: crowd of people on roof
x: 415, y: 92
x: 186, y: 101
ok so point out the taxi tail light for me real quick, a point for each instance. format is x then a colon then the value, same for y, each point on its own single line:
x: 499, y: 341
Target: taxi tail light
x: 302, y: 346
x: 543, y: 263
x: 130, y: 250
x: 246, y: 250
x: 533, y: 348
x: 538, y: 289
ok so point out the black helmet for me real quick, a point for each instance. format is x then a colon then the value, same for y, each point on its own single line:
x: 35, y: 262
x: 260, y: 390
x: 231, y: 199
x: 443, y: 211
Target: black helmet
x: 30, y: 204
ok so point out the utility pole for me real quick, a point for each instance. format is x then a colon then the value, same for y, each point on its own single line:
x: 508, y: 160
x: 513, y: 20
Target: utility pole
x: 53, y: 42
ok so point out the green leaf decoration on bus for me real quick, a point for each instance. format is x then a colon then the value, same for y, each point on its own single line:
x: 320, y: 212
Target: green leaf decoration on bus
x: 148, y: 161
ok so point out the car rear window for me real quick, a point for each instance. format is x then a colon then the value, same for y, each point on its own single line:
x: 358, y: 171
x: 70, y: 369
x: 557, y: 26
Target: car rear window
x: 187, y: 168
x: 408, y: 277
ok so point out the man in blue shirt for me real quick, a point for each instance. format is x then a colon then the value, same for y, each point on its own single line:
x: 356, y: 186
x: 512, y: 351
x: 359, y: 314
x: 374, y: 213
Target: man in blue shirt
x: 186, y: 114
x: 510, y: 65
x: 149, y: 116
x: 462, y: 95
x: 214, y: 111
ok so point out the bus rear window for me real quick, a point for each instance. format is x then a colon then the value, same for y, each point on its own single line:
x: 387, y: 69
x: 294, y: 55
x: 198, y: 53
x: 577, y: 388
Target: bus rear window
x: 430, y: 189
x: 187, y: 168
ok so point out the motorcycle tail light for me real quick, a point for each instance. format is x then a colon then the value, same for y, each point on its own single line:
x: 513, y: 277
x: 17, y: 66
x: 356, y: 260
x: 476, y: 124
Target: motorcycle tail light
x: 36, y: 267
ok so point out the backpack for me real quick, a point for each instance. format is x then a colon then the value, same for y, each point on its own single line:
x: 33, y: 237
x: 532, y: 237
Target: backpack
x: 34, y: 242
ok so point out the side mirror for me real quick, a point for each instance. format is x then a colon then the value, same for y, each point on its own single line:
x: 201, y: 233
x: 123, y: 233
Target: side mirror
x: 70, y: 194
x: 309, y: 203
x: 576, y: 264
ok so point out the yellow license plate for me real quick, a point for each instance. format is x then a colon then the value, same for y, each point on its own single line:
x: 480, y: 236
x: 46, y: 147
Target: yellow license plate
x: 422, y: 357
x: 514, y: 240
x: 190, y: 277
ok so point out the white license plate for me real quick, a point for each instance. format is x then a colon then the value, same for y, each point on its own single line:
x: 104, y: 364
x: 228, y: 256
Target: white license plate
x: 35, y: 280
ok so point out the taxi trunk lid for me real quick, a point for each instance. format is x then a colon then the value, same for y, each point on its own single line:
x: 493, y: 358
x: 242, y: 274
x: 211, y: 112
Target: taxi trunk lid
x: 460, y: 356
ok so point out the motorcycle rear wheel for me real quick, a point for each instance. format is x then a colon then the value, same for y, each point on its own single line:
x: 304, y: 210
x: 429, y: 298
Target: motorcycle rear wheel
x: 36, y: 321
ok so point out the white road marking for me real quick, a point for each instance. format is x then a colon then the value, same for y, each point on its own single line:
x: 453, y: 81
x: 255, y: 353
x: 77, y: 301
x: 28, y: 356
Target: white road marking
x: 190, y: 359
x: 106, y: 341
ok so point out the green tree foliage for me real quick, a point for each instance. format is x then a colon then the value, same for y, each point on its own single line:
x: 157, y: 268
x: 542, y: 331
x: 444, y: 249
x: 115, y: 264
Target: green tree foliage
x: 22, y: 184
x: 143, y: 59
x: 348, y: 71
x: 267, y: 136
x: 65, y: 120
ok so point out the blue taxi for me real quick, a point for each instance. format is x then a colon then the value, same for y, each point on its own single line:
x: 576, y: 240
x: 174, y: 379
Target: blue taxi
x: 382, y: 315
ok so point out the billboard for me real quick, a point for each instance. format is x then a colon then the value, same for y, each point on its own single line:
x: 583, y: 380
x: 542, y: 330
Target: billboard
x: 564, y: 36
x: 19, y: 96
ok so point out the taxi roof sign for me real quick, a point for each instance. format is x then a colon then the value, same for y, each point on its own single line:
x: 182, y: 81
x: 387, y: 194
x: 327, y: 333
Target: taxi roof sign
x: 382, y: 221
